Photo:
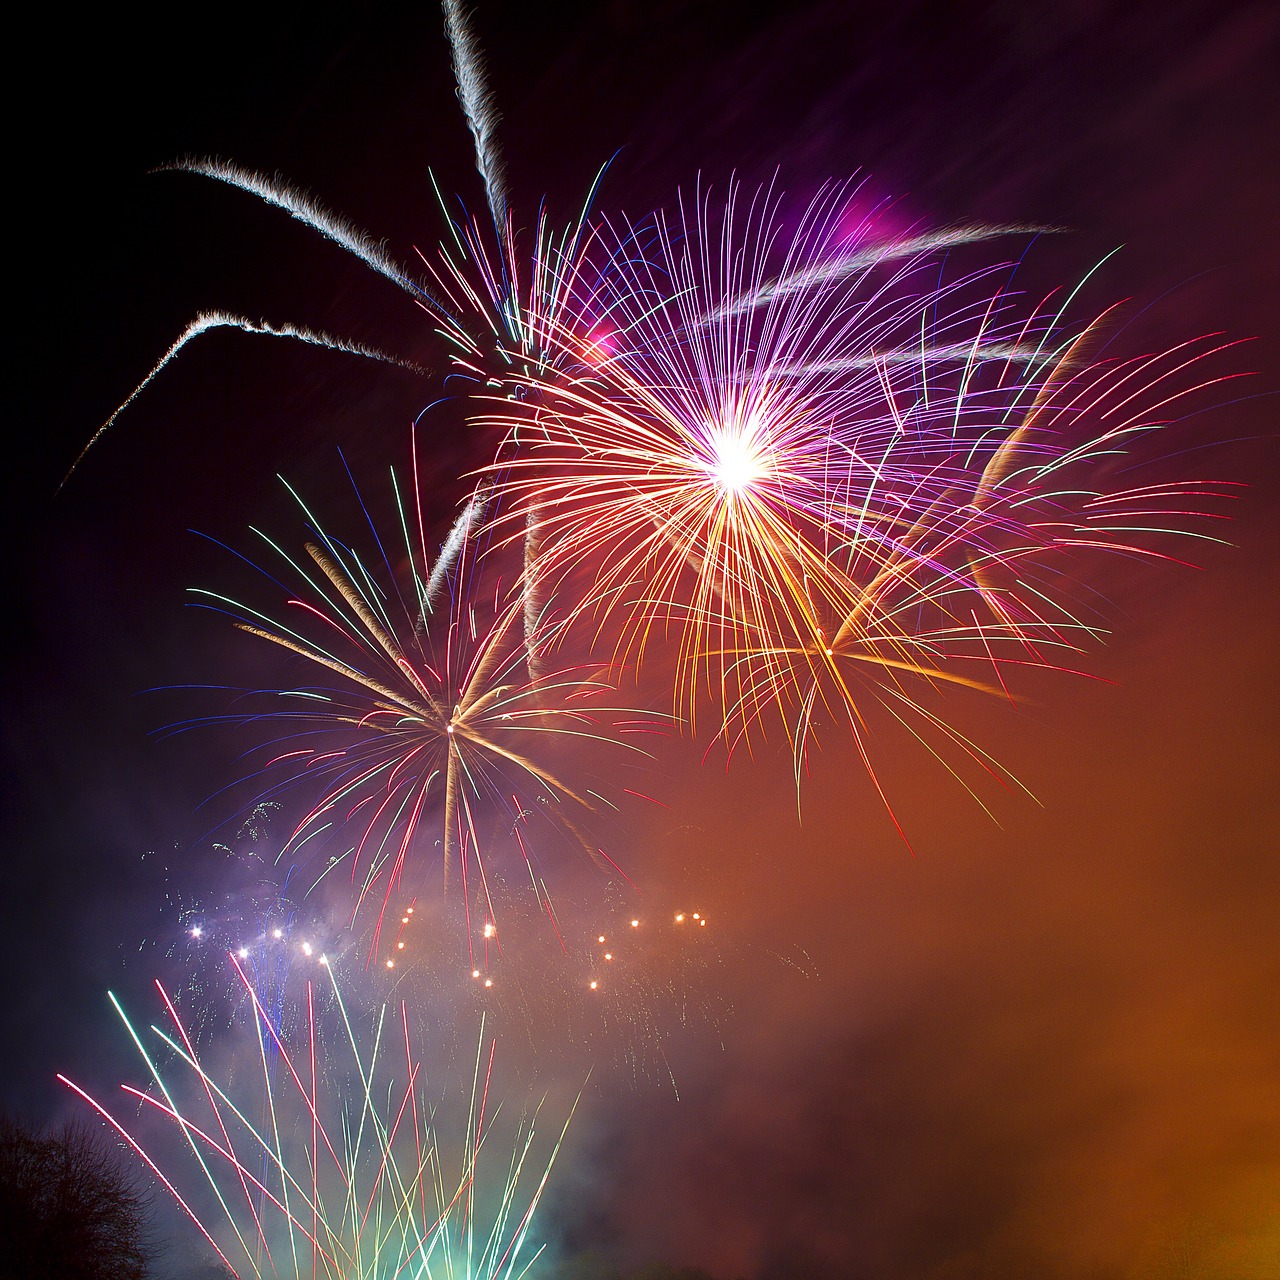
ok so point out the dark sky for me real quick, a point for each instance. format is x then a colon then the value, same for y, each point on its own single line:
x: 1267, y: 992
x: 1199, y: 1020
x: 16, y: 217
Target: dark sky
x: 1046, y: 1046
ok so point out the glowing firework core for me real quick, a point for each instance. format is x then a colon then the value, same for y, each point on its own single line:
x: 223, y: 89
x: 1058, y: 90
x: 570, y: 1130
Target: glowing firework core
x: 738, y: 455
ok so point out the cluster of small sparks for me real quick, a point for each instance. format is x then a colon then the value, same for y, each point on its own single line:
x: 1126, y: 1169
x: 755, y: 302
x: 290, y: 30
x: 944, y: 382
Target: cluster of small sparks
x: 780, y: 466
x: 624, y: 1002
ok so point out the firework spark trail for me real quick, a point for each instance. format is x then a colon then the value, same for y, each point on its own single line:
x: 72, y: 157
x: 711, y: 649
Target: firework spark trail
x: 534, y: 600
x: 464, y: 527
x: 208, y: 320
x: 311, y: 213
x: 435, y: 722
x: 371, y: 1195
x: 276, y: 191
x: 808, y: 461
x: 477, y: 106
x: 805, y: 278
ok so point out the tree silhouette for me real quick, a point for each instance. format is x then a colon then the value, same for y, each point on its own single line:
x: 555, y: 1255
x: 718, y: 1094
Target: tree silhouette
x: 69, y: 1207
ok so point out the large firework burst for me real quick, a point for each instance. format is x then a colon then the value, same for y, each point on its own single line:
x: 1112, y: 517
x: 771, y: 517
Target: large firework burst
x: 818, y: 468
x: 810, y: 466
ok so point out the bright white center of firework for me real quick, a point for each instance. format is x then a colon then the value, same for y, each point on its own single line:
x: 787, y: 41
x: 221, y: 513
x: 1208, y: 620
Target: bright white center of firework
x: 737, y: 460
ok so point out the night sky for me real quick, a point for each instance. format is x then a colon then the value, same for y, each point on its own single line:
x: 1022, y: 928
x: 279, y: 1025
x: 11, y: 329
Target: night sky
x: 1046, y: 1045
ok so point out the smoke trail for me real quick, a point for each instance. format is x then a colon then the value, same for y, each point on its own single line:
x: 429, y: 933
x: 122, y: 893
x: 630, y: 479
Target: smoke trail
x: 207, y: 320
x: 887, y: 251
x: 333, y: 226
x: 477, y: 106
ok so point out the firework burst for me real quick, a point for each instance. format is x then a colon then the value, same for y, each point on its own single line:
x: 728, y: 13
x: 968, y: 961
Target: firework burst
x: 820, y: 468
x: 330, y: 1160
x: 820, y: 471
x: 435, y: 734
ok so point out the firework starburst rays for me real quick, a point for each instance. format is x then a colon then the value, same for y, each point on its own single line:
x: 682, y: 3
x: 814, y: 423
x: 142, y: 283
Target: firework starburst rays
x: 784, y: 468
x: 738, y: 443
x: 782, y: 453
x: 329, y: 1160
x: 435, y: 731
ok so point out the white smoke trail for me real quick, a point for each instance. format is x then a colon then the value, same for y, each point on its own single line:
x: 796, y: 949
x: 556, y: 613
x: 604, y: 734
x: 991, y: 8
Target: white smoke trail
x: 207, y: 320
x: 836, y: 269
x: 477, y: 106
x: 298, y: 204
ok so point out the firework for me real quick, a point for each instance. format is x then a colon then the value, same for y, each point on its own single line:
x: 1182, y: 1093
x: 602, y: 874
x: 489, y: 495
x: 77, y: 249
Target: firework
x: 820, y: 473
x: 238, y: 899
x: 431, y: 733
x: 492, y: 298
x: 330, y: 1161
x: 813, y: 468
x: 624, y: 1000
